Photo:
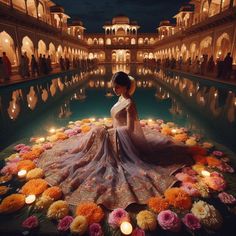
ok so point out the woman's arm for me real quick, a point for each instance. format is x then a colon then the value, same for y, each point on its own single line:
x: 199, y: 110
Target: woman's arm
x: 131, y: 116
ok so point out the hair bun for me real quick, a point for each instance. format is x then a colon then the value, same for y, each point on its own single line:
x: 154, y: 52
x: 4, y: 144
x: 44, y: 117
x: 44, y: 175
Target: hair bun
x: 132, y: 85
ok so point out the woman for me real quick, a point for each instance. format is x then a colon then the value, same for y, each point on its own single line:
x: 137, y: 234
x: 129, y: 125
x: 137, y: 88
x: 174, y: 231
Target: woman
x: 108, y: 166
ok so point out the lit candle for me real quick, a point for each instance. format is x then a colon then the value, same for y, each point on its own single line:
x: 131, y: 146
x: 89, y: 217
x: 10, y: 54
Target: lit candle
x: 22, y: 173
x: 126, y: 228
x: 174, y: 131
x: 30, y: 199
x: 52, y: 130
x: 205, y: 173
x: 40, y: 140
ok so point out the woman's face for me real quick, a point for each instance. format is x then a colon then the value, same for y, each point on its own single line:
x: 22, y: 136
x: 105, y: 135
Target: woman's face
x: 118, y: 89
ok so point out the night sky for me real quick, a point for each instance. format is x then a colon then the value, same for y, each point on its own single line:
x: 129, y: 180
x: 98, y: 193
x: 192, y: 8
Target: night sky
x: 94, y: 13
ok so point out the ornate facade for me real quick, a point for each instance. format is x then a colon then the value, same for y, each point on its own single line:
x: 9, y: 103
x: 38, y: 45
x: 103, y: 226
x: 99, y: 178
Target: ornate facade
x: 41, y: 27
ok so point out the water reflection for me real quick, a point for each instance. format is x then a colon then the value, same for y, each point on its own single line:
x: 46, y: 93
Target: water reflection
x: 65, y: 111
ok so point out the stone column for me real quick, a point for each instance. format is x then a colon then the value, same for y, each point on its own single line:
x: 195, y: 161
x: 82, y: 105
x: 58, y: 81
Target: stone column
x: 231, y: 3
x: 213, y: 46
x: 26, y: 9
x: 233, y: 47
x: 11, y: 3
x: 221, y: 5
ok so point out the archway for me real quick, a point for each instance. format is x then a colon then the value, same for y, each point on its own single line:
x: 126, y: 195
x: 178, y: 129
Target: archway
x: 205, y: 46
x: 59, y: 53
x: 31, y: 7
x: 7, y: 45
x: 100, y: 41
x: 90, y: 41
x: 133, y: 41
x: 108, y: 41
x: 19, y: 5
x: 140, y: 41
x: 41, y: 11
x: 52, y: 52
x: 214, y: 7
x: 184, y: 52
x: 42, y: 49
x: 193, y: 50
x: 223, y: 46
x: 27, y: 47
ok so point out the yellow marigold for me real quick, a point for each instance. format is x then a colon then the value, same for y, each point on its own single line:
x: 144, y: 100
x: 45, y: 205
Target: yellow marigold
x: 12, y: 203
x: 85, y: 121
x: 25, y: 165
x: 191, y: 142
x: 79, y: 225
x: 198, y: 168
x: 61, y: 136
x: 158, y: 204
x: 35, y: 173
x: 34, y: 186
x: 146, y: 220
x: 58, y: 210
x: 53, y: 192
x: 85, y: 128
x: 3, y: 190
x: 12, y: 156
x: 180, y: 137
x: 92, y: 212
x: 43, y: 203
x: 178, y: 198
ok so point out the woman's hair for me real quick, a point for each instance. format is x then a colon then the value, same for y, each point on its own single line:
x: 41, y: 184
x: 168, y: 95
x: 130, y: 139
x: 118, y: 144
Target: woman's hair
x: 121, y: 78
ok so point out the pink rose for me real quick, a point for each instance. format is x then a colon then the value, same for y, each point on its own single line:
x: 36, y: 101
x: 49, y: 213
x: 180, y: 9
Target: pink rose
x: 224, y: 167
x: 227, y: 198
x: 117, y: 216
x: 95, y: 229
x: 9, y: 169
x: 18, y: 147
x: 31, y: 222
x: 64, y: 223
x: 47, y: 145
x: 138, y: 232
x: 191, y: 221
x: 185, y: 177
x: 216, y: 183
x: 25, y: 149
x: 168, y: 220
x: 216, y: 174
x: 218, y: 153
x: 191, y: 189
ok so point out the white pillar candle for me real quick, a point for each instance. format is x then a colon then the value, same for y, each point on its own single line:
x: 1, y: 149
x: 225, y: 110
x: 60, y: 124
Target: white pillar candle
x: 205, y: 173
x: 126, y: 228
x: 30, y: 199
x: 22, y: 173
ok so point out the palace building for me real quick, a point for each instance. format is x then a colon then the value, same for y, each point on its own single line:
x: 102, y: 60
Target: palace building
x: 42, y: 27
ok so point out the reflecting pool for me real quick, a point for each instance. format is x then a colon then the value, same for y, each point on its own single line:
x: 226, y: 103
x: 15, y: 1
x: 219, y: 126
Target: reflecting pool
x: 33, y: 108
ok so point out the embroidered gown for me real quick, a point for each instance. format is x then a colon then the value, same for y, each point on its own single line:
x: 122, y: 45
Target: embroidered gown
x: 114, y: 167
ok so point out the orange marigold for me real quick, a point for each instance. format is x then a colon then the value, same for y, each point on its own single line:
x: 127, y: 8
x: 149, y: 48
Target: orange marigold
x: 180, y: 137
x: 90, y: 210
x: 12, y: 203
x: 61, y: 136
x: 31, y: 155
x: 85, y: 128
x: 178, y: 198
x: 214, y: 162
x: 53, y: 192
x: 199, y: 159
x: 26, y: 165
x: 158, y: 204
x: 34, y: 186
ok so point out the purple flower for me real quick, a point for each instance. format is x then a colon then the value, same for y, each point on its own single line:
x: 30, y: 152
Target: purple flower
x: 117, y: 216
x: 138, y: 232
x: 191, y: 221
x: 168, y: 220
x: 95, y: 229
x: 227, y: 198
x: 64, y: 223
x: 218, y: 153
x: 31, y: 222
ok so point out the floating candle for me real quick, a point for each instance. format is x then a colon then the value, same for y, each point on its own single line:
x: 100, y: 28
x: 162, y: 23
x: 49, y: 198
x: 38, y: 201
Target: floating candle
x: 22, y: 173
x: 30, y: 199
x: 126, y: 228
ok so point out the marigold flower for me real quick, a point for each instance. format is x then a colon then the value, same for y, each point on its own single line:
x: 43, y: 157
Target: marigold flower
x: 58, y: 210
x: 43, y: 203
x: 199, y: 159
x: 34, y: 186
x: 35, y: 173
x: 25, y: 165
x: 12, y: 203
x: 213, y: 162
x: 79, y: 225
x: 146, y: 220
x: 53, y: 192
x: 158, y: 204
x: 207, y: 214
x: 3, y: 190
x: 178, y: 198
x: 90, y: 210
x: 85, y: 128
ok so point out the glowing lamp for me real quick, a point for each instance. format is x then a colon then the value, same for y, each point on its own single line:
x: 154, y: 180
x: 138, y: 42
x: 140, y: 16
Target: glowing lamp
x: 22, y: 173
x: 205, y: 173
x: 174, y: 131
x: 126, y: 228
x: 30, y: 199
x: 52, y: 130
